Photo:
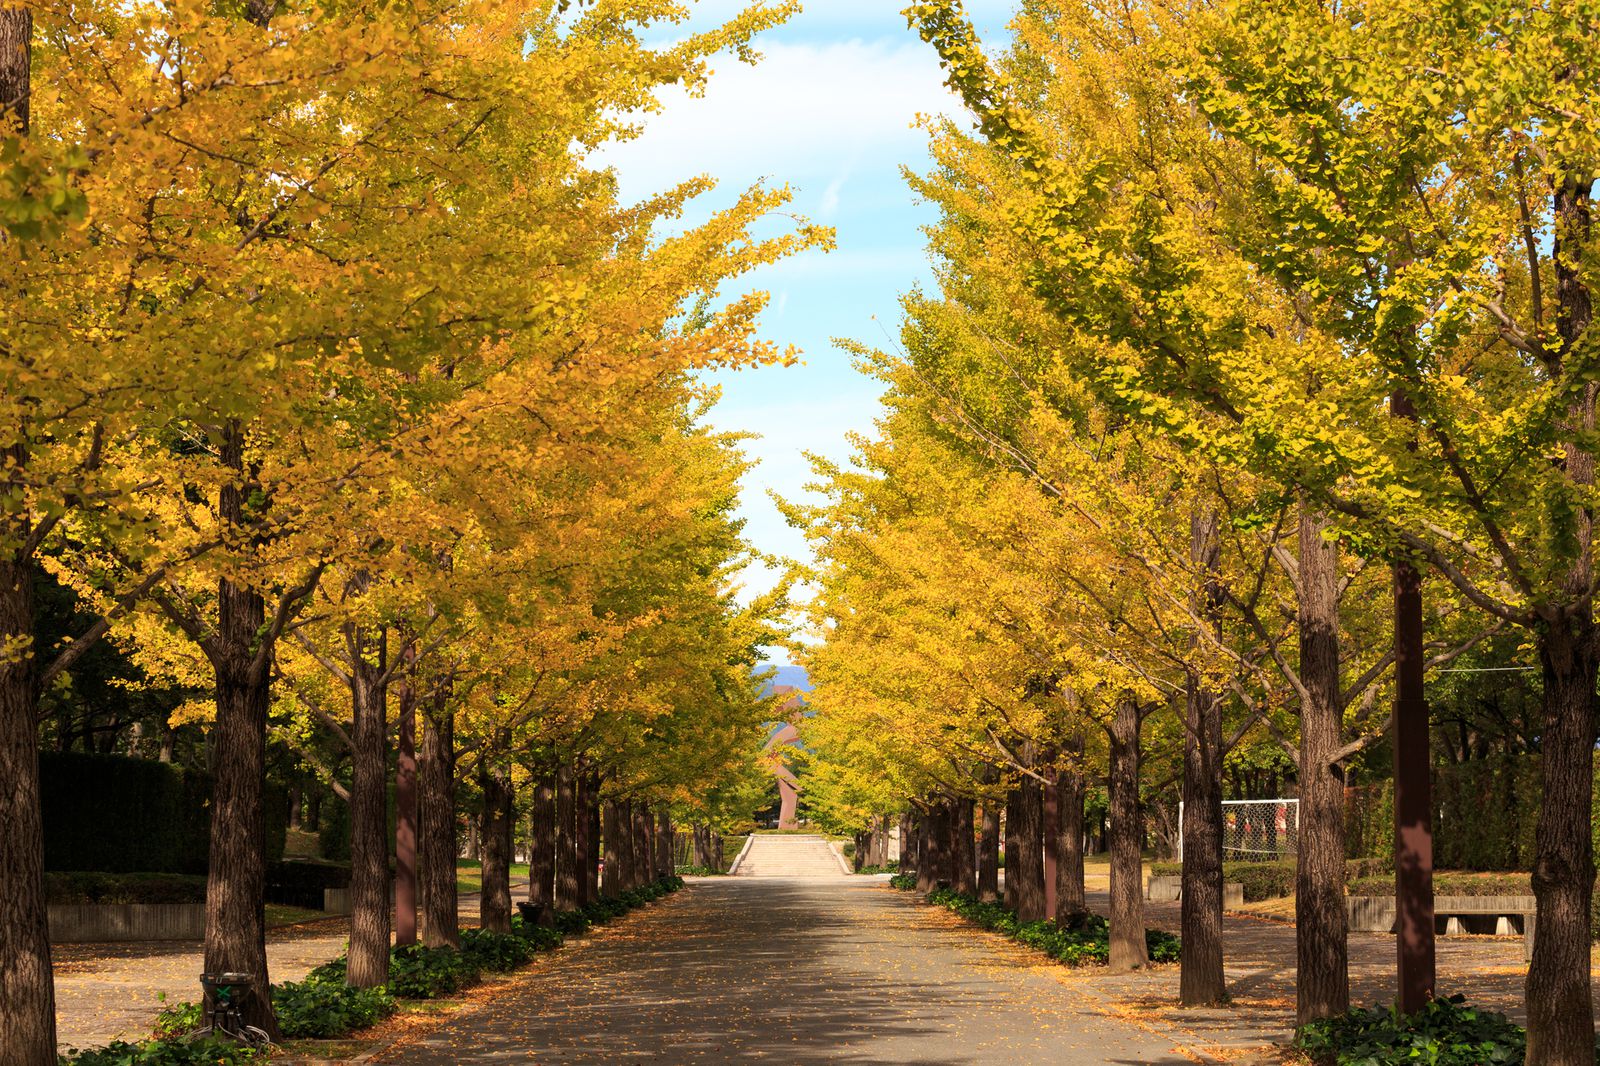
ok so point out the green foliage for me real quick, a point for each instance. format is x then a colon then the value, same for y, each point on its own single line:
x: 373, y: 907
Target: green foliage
x: 208, y: 1052
x: 1086, y: 942
x: 85, y: 887
x: 112, y: 813
x: 1445, y: 1033
x: 1484, y: 815
x: 497, y: 952
x: 333, y: 831
x: 699, y: 871
x: 418, y: 972
x: 904, y: 882
x: 887, y: 868
x: 317, y: 1009
x: 177, y: 1020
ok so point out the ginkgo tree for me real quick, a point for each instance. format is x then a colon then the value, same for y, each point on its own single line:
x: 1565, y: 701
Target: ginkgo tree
x: 345, y: 272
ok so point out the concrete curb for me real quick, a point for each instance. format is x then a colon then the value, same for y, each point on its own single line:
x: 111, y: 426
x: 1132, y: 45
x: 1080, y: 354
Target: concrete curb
x: 738, y: 860
x: 838, y: 853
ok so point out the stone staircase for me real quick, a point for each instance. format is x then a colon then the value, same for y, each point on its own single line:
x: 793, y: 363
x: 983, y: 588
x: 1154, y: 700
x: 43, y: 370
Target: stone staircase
x: 788, y: 855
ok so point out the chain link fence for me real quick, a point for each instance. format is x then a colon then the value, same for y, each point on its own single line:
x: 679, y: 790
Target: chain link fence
x: 1264, y: 830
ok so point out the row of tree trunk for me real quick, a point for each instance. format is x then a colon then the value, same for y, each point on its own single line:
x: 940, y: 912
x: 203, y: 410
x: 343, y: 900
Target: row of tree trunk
x: 950, y: 841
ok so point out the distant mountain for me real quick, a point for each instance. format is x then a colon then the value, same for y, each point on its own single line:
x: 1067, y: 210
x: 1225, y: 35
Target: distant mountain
x: 793, y: 676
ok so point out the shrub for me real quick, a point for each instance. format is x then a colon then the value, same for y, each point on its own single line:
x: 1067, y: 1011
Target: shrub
x: 113, y: 813
x: 1445, y: 1033
x: 1261, y: 880
x: 1449, y: 883
x: 543, y: 938
x: 496, y: 952
x: 209, y: 1052
x: 887, y: 868
x: 699, y: 871
x: 904, y: 882
x: 318, y: 1009
x: 415, y: 972
x: 177, y: 1020
x: 1084, y: 942
x: 418, y: 972
x: 85, y: 887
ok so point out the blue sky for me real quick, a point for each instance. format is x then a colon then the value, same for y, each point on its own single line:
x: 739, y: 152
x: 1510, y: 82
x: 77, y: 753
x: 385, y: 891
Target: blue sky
x: 830, y: 110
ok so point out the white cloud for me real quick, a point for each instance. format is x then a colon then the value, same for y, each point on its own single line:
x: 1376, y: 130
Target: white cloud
x: 803, y: 114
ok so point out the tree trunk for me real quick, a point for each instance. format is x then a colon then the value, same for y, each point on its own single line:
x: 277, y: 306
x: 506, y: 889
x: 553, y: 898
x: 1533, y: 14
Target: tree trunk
x: 1559, y: 988
x: 583, y: 839
x: 612, y: 834
x: 962, y: 853
x: 989, y: 853
x: 1128, y: 948
x: 938, y: 848
x: 644, y: 854
x: 702, y: 845
x: 1558, y: 982
x: 908, y: 843
x: 1320, y: 921
x: 405, y: 820
x: 1070, y: 900
x: 927, y: 852
x: 494, y: 780
x: 718, y: 861
x: 590, y: 811
x: 665, y: 866
x: 542, y: 843
x: 27, y: 990
x: 369, y: 815
x: 236, y: 932
x: 568, y: 890
x: 1200, y: 980
x: 880, y: 842
x: 1025, y: 849
x: 436, y: 846
x: 628, y: 872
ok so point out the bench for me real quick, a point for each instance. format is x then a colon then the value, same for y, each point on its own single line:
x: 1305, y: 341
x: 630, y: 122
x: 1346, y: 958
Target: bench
x: 1453, y: 915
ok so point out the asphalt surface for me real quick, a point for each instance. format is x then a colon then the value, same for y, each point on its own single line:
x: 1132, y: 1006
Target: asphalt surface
x: 790, y: 971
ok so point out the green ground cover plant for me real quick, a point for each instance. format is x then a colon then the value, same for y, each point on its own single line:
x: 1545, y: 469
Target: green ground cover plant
x: 165, y: 1053
x: 324, y: 1007
x: 1447, y: 1032
x: 1084, y: 943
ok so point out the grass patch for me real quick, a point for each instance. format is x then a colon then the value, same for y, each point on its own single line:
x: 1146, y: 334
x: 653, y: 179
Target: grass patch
x: 281, y: 914
x: 469, y: 875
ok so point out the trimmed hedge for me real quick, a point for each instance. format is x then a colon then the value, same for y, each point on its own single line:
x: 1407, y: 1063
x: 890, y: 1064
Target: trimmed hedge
x: 75, y: 886
x: 1085, y: 943
x: 1261, y: 880
x: 116, y: 814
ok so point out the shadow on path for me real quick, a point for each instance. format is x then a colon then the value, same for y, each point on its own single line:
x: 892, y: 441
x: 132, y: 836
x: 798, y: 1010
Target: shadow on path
x: 782, y: 971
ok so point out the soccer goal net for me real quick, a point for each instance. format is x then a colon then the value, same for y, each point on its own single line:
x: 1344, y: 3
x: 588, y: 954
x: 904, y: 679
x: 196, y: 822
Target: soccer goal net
x: 1255, y: 830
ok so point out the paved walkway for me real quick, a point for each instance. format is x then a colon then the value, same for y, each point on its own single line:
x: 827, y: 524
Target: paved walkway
x: 792, y: 972
x: 107, y: 992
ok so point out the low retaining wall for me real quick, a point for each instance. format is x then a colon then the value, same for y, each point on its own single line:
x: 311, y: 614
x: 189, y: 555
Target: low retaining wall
x: 90, y: 923
x: 1499, y: 915
x: 1169, y: 889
